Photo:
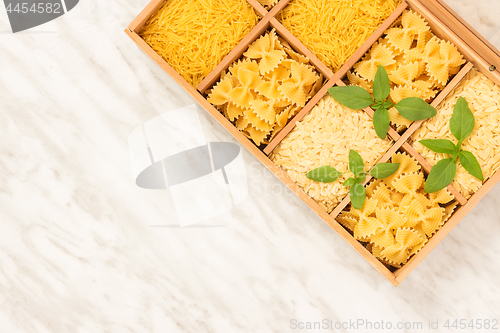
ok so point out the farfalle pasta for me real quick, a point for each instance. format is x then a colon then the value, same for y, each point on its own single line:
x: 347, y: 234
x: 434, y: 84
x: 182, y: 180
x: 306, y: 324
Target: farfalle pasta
x: 418, y: 63
x: 398, y: 218
x: 263, y: 91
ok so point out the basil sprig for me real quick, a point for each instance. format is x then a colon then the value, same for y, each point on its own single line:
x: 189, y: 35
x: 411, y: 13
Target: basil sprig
x: 461, y: 126
x: 354, y: 97
x: 357, y: 191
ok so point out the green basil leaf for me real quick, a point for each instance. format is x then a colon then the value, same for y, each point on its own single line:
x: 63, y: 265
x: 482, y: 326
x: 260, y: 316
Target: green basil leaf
x: 387, y: 105
x: 381, y: 122
x: 442, y: 174
x: 349, y: 182
x: 462, y: 121
x: 324, y: 174
x: 384, y: 170
x: 470, y: 163
x: 414, y: 109
x: 358, y: 195
x: 353, y: 97
x: 356, y: 164
x: 381, y: 84
x: 441, y: 146
x: 361, y: 178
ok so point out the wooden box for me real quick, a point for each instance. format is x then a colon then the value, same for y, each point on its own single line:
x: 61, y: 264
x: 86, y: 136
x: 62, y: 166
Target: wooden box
x: 444, y: 23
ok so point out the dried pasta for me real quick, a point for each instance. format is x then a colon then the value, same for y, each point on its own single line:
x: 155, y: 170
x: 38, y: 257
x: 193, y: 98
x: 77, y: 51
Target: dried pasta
x: 266, y: 88
x: 268, y: 4
x: 397, y: 218
x: 333, y: 30
x: 194, y: 36
x: 418, y: 63
x: 324, y: 137
x: 483, y: 97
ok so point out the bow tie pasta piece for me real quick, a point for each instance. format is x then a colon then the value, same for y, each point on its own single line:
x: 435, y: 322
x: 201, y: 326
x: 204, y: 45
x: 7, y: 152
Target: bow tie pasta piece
x: 264, y: 110
x: 234, y: 111
x: 257, y: 122
x: 412, y: 25
x: 408, y: 183
x: 391, y: 220
x: 383, y: 196
x: 258, y: 136
x: 405, y: 74
x: 270, y: 88
x: 407, y: 164
x: 347, y: 220
x: 241, y: 96
x: 441, y: 197
x: 263, y: 49
x: 247, y: 64
x: 356, y: 80
x: 297, y: 87
x: 366, y: 227
x: 219, y: 94
x: 432, y: 220
x: 443, y: 59
x: 378, y: 55
x: 406, y: 239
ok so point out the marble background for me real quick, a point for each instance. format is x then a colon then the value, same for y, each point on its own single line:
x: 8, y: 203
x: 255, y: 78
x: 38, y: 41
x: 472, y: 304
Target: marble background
x: 80, y: 246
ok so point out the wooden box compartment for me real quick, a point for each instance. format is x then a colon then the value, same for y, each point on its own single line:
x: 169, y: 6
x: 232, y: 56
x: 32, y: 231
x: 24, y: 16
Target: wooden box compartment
x: 443, y: 22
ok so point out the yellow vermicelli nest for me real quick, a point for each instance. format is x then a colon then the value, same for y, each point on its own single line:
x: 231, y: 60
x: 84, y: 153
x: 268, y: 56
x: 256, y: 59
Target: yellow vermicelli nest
x: 483, y: 97
x: 262, y: 91
x: 398, y: 218
x: 333, y: 30
x: 418, y: 63
x: 194, y: 36
x: 324, y: 137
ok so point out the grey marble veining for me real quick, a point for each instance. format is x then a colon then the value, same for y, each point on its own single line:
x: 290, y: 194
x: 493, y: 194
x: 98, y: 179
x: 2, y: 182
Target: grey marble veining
x: 78, y: 252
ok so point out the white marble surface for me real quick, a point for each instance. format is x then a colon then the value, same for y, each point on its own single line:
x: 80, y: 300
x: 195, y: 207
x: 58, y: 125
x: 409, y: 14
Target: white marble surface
x: 78, y: 252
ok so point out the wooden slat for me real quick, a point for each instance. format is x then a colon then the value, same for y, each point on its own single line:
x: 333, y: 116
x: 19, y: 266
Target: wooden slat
x: 369, y: 42
x: 144, y: 16
x: 234, y: 55
x: 298, y: 117
x: 258, y: 7
x: 278, y: 7
x: 298, y: 46
x: 441, y: 97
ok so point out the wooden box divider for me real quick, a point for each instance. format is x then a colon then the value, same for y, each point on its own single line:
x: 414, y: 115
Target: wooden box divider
x: 444, y: 23
x: 258, y: 7
x: 235, y: 54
